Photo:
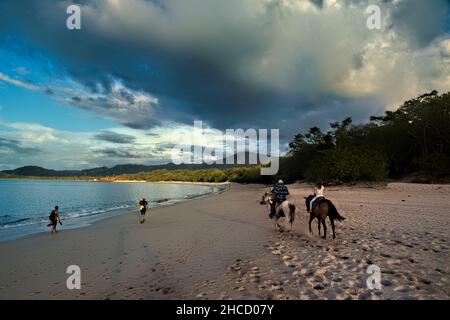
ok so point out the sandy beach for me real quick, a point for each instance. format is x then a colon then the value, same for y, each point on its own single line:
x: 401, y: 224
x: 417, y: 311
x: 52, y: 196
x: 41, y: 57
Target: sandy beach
x: 225, y: 247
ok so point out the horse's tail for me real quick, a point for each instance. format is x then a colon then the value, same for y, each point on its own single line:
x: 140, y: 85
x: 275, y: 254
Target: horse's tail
x: 291, y: 212
x: 333, y: 213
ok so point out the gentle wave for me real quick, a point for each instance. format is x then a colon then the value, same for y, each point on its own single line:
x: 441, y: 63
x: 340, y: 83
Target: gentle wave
x: 64, y: 216
x: 22, y: 222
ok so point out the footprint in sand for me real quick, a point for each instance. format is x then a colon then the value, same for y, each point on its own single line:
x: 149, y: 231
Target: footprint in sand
x: 402, y: 289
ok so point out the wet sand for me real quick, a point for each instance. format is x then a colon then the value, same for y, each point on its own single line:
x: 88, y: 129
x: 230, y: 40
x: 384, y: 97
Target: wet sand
x: 225, y: 247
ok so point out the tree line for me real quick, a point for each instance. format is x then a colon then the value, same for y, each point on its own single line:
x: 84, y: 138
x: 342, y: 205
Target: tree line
x: 412, y: 140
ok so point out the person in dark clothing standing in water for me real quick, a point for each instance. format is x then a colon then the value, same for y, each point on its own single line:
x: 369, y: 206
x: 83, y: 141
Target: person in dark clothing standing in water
x: 54, y: 219
x: 143, y: 204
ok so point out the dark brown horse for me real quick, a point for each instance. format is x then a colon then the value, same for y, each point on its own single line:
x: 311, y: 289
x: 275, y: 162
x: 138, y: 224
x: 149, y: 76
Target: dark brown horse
x: 323, y: 208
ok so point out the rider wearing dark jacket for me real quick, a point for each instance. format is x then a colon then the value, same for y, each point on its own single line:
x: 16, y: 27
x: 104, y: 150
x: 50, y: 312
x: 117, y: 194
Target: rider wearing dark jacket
x: 280, y: 191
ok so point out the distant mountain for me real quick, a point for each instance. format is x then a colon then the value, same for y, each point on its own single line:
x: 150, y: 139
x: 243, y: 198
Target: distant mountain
x: 39, y: 172
x: 35, y: 171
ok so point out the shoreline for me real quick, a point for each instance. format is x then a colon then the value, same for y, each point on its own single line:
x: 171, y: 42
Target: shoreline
x: 172, y: 182
x: 115, y: 181
x: 369, y: 184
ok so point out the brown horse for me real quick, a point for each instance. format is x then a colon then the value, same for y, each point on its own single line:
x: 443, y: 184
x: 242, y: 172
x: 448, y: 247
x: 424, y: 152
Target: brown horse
x: 323, y: 208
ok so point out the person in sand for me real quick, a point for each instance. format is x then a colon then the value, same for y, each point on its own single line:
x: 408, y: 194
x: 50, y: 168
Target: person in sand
x: 143, y: 205
x: 318, y: 193
x: 54, y: 219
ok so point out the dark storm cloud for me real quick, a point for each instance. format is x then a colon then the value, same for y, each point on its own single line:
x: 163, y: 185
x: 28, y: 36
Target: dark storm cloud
x: 136, y: 110
x: 318, y: 3
x: 188, y: 84
x: 119, y: 153
x: 421, y: 21
x: 238, y: 64
x: 163, y: 147
x: 15, y: 146
x: 152, y: 134
x: 322, y: 111
x: 114, y: 137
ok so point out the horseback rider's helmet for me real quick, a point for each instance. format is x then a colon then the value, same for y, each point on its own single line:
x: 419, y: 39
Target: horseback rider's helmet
x: 280, y: 181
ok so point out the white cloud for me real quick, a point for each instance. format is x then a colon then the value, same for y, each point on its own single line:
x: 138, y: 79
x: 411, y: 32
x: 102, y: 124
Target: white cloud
x: 22, y: 70
x: 18, y: 83
x: 123, y: 105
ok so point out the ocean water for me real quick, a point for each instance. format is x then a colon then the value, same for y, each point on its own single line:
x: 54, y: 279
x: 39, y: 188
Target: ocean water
x: 26, y: 204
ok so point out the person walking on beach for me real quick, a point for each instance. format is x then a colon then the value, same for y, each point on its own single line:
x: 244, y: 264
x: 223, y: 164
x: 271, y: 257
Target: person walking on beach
x: 143, y: 205
x: 54, y: 219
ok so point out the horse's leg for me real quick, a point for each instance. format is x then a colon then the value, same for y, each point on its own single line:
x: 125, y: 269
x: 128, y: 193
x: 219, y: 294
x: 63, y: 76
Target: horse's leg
x: 333, y: 228
x: 318, y: 224
x: 311, y: 218
x: 324, y: 229
x: 277, y: 226
x: 280, y: 228
x: 293, y: 215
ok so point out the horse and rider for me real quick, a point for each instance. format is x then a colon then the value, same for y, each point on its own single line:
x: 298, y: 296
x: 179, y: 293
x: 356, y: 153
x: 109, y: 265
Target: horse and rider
x: 280, y: 192
x: 278, y: 205
x: 320, y: 208
x: 317, y: 206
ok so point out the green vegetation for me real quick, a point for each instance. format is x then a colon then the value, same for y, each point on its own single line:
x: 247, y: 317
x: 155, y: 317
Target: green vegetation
x: 236, y: 174
x: 413, y: 139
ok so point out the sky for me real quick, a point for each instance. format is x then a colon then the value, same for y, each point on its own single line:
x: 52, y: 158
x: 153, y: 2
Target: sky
x: 115, y: 91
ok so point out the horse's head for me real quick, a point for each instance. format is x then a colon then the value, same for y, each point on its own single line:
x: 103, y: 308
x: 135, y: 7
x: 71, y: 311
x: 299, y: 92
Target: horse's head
x: 267, y: 198
x: 308, y: 200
